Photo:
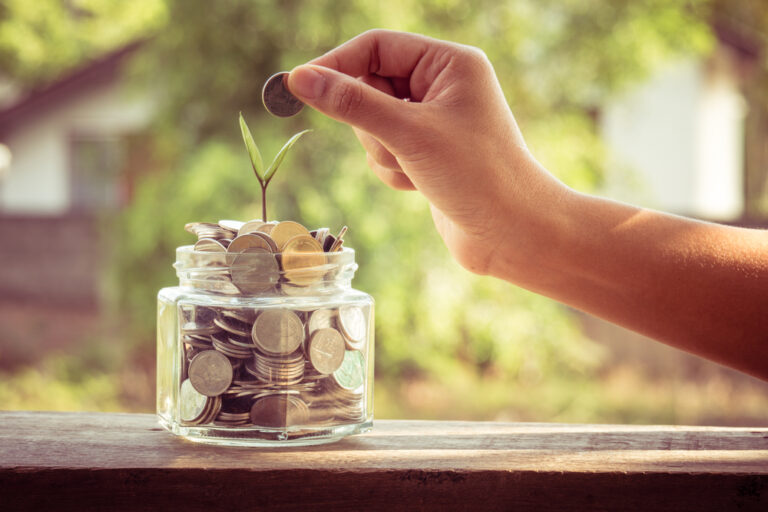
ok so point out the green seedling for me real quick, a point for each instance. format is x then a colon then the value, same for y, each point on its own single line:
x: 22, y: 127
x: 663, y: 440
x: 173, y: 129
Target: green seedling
x: 265, y: 175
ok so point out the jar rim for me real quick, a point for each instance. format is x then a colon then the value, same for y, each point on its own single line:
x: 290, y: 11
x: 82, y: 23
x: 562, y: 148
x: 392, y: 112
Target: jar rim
x: 263, y: 272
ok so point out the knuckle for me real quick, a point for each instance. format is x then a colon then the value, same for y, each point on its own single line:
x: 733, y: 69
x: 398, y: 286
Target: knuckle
x: 475, y: 58
x: 347, y: 99
x: 384, y: 157
x: 374, y: 33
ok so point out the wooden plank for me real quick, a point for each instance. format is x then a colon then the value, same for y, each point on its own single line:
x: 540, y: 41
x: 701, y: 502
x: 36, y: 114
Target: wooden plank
x: 73, y: 461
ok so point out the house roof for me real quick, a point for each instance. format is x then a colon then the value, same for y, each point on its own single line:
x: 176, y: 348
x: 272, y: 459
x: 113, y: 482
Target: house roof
x: 95, y: 72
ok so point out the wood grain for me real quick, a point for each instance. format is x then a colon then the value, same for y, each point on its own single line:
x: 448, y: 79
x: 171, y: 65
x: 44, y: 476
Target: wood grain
x: 79, y: 461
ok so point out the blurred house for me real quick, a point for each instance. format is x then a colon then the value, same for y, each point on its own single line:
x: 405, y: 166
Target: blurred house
x: 63, y: 159
x: 677, y: 140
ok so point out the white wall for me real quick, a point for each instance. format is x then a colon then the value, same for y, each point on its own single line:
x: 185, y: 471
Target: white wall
x: 37, y: 181
x: 681, y: 132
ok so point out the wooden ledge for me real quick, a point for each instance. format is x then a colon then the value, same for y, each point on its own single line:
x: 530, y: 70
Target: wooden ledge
x: 78, y: 461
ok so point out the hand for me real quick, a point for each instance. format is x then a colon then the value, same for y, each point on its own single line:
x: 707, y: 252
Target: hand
x: 697, y: 286
x: 432, y: 117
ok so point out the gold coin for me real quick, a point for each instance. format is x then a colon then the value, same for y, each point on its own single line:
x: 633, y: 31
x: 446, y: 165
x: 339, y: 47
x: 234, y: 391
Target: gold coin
x: 286, y: 230
x: 249, y: 227
x: 267, y: 227
x: 279, y: 410
x: 303, y: 260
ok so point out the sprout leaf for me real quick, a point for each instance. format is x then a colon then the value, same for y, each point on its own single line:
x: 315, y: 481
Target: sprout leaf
x: 253, y: 150
x: 281, y: 155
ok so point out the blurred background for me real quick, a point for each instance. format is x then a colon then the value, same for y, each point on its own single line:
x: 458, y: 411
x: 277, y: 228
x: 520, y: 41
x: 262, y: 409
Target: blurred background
x: 118, y: 125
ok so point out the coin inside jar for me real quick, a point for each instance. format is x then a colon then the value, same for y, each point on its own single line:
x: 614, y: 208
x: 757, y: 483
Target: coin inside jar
x: 279, y: 410
x: 320, y: 319
x: 303, y: 260
x: 351, y: 373
x: 254, y: 270
x: 278, y: 331
x: 243, y: 243
x: 326, y: 350
x: 353, y: 325
x: 209, y: 245
x: 277, y: 99
x: 210, y: 373
x: 192, y: 404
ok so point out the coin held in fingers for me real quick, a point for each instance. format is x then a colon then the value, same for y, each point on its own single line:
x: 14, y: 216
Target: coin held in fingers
x: 277, y: 99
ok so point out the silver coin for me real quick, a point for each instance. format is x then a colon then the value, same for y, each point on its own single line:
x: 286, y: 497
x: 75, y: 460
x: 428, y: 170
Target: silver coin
x: 200, y: 227
x: 351, y: 375
x: 209, y: 245
x: 243, y: 315
x: 326, y: 350
x: 210, y: 373
x: 268, y: 239
x: 353, y: 325
x: 214, y: 406
x: 231, y: 225
x: 277, y: 99
x: 192, y: 404
x: 278, y: 331
x: 321, y: 319
x: 191, y: 328
x: 244, y: 243
x: 233, y: 326
x: 321, y: 234
x: 255, y: 270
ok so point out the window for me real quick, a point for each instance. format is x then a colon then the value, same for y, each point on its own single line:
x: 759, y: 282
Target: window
x: 96, y: 168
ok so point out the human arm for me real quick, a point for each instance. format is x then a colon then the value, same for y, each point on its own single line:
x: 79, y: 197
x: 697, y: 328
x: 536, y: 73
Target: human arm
x: 698, y: 286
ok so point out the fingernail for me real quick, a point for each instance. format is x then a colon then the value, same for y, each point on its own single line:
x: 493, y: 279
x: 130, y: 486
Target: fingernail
x: 306, y: 82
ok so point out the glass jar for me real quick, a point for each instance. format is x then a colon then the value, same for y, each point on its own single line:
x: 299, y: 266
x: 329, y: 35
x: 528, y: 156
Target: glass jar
x: 251, y: 354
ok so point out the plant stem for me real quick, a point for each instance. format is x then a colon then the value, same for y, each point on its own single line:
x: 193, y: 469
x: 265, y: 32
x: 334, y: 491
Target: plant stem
x: 264, y: 202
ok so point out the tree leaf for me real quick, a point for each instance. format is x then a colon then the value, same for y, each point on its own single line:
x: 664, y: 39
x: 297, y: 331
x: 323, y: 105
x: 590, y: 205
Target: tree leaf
x: 280, y: 155
x: 253, y: 150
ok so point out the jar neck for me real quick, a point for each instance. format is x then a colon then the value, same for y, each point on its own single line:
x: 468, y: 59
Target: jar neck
x: 263, y: 274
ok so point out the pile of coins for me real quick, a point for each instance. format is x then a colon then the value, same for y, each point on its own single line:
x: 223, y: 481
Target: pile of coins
x: 265, y: 257
x: 272, y: 367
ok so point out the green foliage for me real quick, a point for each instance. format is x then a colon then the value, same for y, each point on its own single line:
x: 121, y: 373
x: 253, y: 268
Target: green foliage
x: 253, y: 150
x: 556, y: 60
x: 40, y: 39
x: 265, y: 175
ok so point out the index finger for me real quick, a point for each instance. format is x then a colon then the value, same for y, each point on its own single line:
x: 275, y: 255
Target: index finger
x: 378, y: 52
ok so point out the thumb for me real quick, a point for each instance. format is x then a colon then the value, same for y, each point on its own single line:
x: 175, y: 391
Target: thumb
x: 349, y: 100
